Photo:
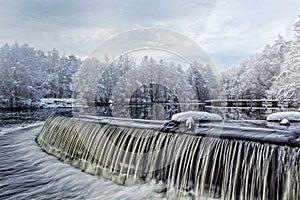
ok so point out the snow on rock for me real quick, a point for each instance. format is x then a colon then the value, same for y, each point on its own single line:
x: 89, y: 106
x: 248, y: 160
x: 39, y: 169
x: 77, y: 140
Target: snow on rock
x: 290, y: 116
x: 285, y: 122
x: 189, y: 123
x: 191, y: 116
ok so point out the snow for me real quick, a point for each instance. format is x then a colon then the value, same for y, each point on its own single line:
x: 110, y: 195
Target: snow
x: 285, y: 122
x: 189, y: 123
x: 33, y: 74
x: 272, y: 73
x: 60, y: 103
x: 125, y: 122
x: 290, y: 116
x: 191, y: 116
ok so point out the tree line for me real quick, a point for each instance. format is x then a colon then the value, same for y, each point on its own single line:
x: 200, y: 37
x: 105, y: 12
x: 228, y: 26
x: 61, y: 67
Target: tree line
x: 27, y: 75
x: 118, y: 80
x: 272, y: 73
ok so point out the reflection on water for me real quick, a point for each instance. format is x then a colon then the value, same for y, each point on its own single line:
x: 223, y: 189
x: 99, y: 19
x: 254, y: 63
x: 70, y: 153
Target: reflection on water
x: 153, y: 101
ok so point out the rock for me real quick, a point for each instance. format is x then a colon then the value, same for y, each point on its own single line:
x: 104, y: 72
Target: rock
x: 160, y: 187
x: 171, y: 127
x: 284, y: 122
x: 189, y: 123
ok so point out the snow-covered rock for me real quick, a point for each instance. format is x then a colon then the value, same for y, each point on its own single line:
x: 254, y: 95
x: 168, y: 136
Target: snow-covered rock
x: 290, y: 116
x: 189, y: 123
x: 284, y: 122
x: 191, y: 116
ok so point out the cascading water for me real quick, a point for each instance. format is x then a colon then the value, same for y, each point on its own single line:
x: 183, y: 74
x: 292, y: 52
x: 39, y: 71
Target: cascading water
x: 191, y: 165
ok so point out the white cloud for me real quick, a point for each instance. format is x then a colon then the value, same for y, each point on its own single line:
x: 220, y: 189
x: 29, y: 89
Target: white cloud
x: 221, y: 27
x: 245, y: 27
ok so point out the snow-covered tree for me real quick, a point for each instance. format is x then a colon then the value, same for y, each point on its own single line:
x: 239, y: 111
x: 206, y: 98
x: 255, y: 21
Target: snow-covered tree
x: 287, y: 84
x: 156, y: 84
x: 211, y: 78
x: 255, y: 76
x: 110, y: 76
x: 85, y: 80
x: 67, y: 67
x: 21, y: 68
x: 198, y: 83
x: 28, y: 75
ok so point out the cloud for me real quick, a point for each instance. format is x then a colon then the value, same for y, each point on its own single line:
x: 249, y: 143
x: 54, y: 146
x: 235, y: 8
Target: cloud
x: 243, y: 28
x: 221, y: 27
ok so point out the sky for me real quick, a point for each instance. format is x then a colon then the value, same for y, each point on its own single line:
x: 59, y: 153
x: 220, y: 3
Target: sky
x: 229, y: 31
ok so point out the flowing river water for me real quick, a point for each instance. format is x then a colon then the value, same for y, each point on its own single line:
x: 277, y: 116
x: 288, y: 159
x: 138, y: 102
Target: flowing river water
x: 27, y: 172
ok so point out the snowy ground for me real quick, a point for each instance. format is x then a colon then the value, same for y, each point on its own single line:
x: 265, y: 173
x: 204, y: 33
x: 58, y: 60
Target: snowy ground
x: 290, y: 116
x: 196, y: 116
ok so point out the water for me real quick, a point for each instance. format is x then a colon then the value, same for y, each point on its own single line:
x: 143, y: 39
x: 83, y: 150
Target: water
x: 11, y: 117
x: 27, y: 172
x: 191, y: 165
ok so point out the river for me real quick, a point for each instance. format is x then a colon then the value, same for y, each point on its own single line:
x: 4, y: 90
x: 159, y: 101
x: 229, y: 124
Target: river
x: 27, y: 172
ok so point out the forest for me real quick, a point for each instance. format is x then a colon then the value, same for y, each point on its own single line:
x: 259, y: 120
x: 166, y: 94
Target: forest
x: 272, y: 73
x: 27, y: 75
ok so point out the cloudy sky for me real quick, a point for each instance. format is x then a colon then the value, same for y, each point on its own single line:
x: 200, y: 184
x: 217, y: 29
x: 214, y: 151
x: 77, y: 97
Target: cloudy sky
x: 228, y: 30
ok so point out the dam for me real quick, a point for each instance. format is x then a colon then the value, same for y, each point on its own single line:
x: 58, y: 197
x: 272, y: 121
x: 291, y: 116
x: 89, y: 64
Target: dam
x: 215, y: 160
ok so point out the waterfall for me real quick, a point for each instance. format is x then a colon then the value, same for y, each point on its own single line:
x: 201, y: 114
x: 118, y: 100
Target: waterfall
x: 192, y: 165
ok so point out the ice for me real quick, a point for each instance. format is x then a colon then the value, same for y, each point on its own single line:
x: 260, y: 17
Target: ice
x: 290, y: 116
x: 195, y: 116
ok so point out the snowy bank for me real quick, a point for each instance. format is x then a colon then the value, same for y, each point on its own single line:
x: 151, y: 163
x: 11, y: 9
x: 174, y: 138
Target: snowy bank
x: 290, y: 116
x: 196, y: 116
